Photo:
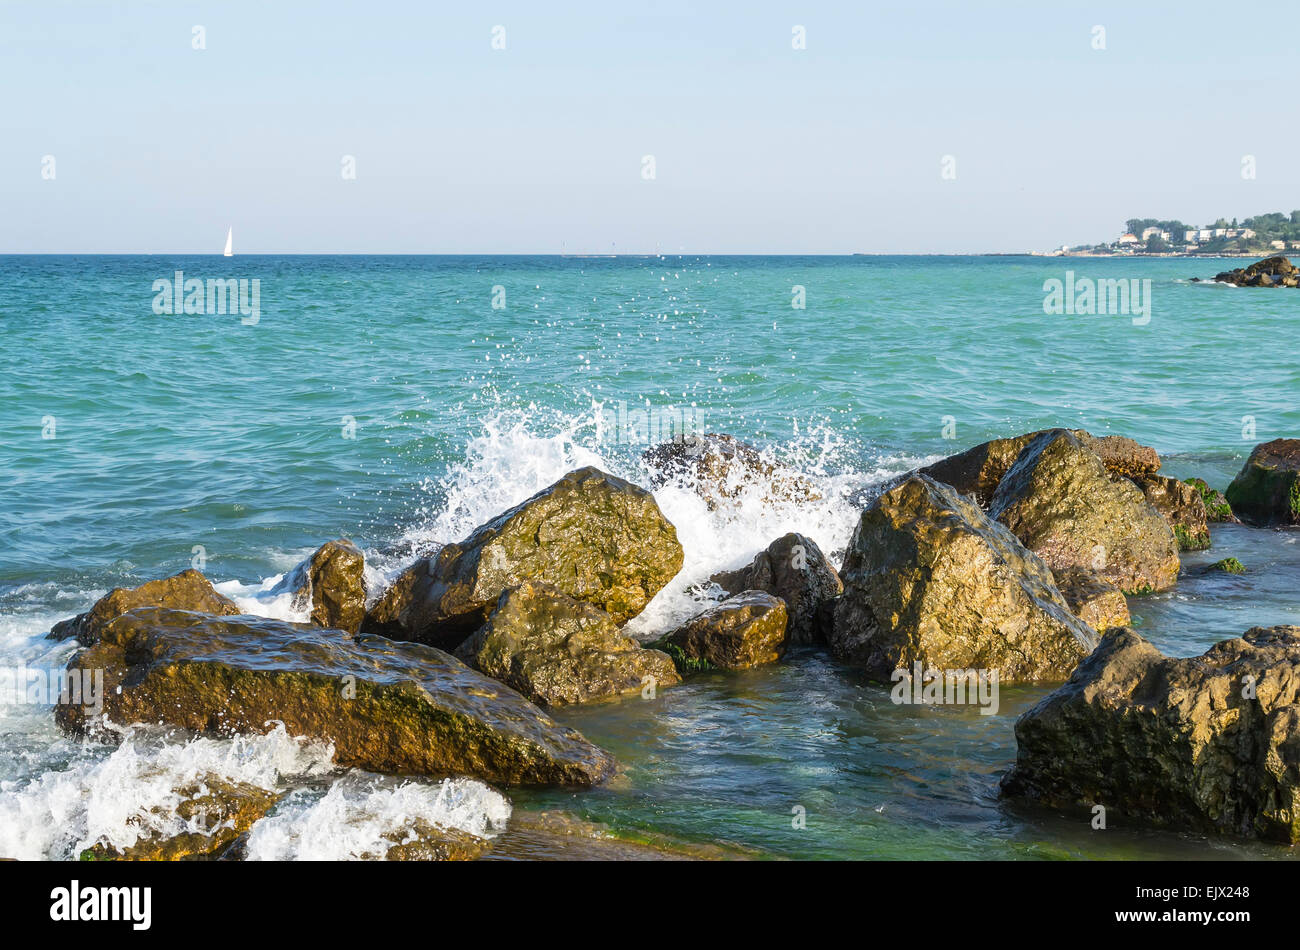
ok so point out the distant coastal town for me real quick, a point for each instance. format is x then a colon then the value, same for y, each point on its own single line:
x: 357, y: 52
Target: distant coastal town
x: 1263, y: 234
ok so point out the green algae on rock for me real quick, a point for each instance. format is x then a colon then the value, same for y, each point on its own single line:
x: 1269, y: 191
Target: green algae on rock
x: 1182, y: 506
x: 555, y: 649
x: 389, y: 707
x: 1208, y: 743
x: 1062, y: 503
x: 1229, y: 565
x: 331, y: 585
x: 745, y: 630
x: 1217, y: 509
x: 188, y: 590
x: 930, y: 578
x: 591, y: 535
x: 1267, y: 489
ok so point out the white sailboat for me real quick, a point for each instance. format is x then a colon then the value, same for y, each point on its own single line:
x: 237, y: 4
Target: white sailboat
x: 230, y: 240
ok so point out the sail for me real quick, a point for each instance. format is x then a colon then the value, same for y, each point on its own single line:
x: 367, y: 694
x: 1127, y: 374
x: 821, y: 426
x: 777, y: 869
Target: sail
x: 230, y: 240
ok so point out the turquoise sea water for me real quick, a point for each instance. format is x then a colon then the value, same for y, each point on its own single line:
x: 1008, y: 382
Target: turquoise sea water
x: 387, y: 400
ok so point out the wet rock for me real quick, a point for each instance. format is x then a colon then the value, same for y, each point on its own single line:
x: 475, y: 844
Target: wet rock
x: 980, y: 469
x: 1208, y: 743
x: 188, y: 590
x: 1062, y: 504
x: 930, y: 578
x: 1217, y: 509
x: 1275, y: 271
x: 794, y: 569
x: 1229, y: 565
x: 331, y: 583
x: 557, y: 650
x: 745, y: 630
x: 1183, y: 508
x: 220, y: 812
x: 1267, y: 489
x: 591, y: 535
x: 721, y: 468
x: 389, y: 707
x: 1098, y: 603
x: 425, y: 841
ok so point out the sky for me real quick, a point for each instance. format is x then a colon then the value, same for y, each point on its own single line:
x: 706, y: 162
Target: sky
x: 901, y: 127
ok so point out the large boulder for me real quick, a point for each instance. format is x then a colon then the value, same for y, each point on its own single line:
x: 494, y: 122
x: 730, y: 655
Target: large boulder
x: 743, y: 631
x: 930, y: 578
x: 979, y: 470
x: 556, y: 650
x: 188, y: 590
x: 1208, y: 743
x: 330, y: 585
x: 591, y: 535
x: 794, y: 569
x: 1182, y: 506
x: 1267, y: 489
x: 1063, y: 505
x: 720, y: 468
x: 1098, y: 603
x: 391, y: 707
x: 215, y: 812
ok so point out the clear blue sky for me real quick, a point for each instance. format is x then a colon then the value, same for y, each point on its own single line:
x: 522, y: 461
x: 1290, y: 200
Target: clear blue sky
x: 537, y: 148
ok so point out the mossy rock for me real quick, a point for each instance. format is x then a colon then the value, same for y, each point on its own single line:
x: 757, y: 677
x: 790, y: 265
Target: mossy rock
x: 930, y: 578
x: 1063, y: 504
x: 745, y: 630
x: 557, y: 650
x: 400, y: 708
x: 1267, y: 489
x: 1229, y: 565
x: 330, y: 585
x: 1217, y: 509
x: 591, y: 535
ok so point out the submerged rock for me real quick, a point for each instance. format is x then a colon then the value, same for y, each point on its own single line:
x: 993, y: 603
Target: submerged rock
x: 721, y: 468
x: 1062, y: 504
x: 745, y: 630
x: 390, y: 707
x: 1098, y: 603
x: 220, y: 810
x: 1276, y: 271
x: 332, y: 584
x: 979, y: 470
x: 1229, y: 565
x: 794, y: 569
x: 930, y: 578
x: 1183, y: 508
x: 1267, y: 489
x: 1217, y: 509
x: 1208, y: 743
x: 188, y: 590
x: 591, y: 535
x: 556, y: 650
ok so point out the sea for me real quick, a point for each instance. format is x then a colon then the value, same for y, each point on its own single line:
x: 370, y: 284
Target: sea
x: 152, y: 420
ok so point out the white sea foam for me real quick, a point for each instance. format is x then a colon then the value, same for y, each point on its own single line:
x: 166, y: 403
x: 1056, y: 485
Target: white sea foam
x: 515, y: 458
x: 132, y: 790
x: 363, y: 815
